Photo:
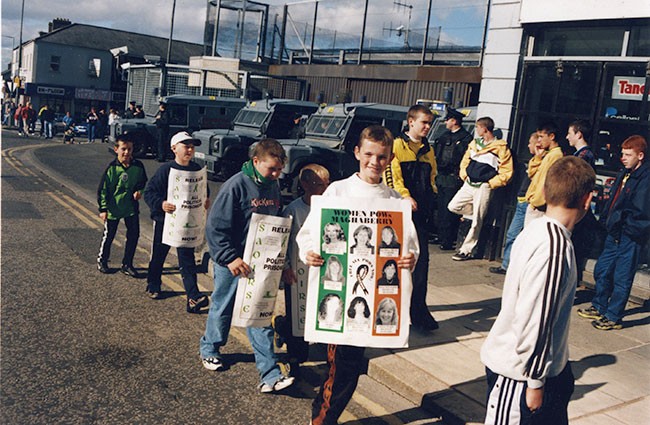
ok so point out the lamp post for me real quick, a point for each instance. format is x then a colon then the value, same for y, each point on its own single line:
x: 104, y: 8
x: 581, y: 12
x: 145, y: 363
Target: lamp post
x: 20, y: 52
x: 163, y: 79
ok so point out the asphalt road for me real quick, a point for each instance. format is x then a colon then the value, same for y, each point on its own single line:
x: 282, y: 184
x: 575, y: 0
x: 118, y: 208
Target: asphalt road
x: 79, y: 347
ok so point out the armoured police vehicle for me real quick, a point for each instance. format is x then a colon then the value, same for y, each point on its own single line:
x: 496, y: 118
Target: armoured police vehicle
x: 186, y: 113
x: 331, y: 135
x: 224, y: 151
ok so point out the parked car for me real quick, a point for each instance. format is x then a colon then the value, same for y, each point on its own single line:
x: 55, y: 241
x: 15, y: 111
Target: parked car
x: 331, y: 135
x: 187, y: 113
x: 224, y: 151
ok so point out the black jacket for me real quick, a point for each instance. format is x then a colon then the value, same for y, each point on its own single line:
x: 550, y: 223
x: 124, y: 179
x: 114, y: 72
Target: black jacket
x: 630, y: 215
x: 449, y: 149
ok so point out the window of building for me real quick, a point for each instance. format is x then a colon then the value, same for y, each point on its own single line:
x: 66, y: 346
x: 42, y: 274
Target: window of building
x: 579, y: 42
x: 55, y: 63
x: 639, y: 41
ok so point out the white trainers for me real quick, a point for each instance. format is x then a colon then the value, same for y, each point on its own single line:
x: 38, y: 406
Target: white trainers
x: 280, y: 384
x: 212, y: 363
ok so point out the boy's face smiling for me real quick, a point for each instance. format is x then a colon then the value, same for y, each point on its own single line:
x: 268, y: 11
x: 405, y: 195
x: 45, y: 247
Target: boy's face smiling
x: 269, y: 167
x: 373, y: 159
x: 124, y: 152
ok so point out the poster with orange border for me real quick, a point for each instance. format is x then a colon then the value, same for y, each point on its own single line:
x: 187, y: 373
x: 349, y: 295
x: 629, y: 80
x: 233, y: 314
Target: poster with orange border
x: 359, y: 296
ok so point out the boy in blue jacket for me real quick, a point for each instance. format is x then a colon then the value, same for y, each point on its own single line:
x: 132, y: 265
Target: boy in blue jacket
x: 253, y: 190
x: 155, y: 196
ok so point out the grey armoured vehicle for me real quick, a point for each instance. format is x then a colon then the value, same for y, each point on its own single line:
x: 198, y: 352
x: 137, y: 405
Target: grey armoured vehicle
x: 186, y: 113
x: 224, y: 151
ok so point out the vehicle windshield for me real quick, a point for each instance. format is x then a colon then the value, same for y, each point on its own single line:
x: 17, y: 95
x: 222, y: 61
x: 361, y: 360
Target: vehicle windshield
x: 324, y: 126
x: 251, y: 118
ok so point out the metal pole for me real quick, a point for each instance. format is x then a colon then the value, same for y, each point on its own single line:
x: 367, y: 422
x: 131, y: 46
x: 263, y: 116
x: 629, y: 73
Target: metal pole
x: 215, y: 32
x: 275, y: 26
x: 285, y: 14
x: 485, y: 30
x: 265, y: 30
x: 313, y: 33
x: 363, y: 32
x: 426, y: 34
x: 171, y: 33
x: 20, y: 52
x: 241, y: 29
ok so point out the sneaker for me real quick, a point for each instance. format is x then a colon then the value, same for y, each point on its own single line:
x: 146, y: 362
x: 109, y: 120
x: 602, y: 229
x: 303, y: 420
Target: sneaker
x: 129, y: 271
x: 497, y: 270
x: 154, y: 295
x: 445, y: 247
x: 459, y: 256
x: 213, y: 363
x: 195, y: 306
x: 591, y: 313
x: 605, y: 324
x: 276, y: 323
x: 103, y: 267
x: 280, y: 384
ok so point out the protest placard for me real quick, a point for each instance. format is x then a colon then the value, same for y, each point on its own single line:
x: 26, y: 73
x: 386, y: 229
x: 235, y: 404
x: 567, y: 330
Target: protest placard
x: 359, y: 296
x: 265, y: 250
x: 185, y: 227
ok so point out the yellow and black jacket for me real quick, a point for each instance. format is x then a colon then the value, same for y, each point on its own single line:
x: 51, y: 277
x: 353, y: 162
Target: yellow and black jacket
x: 412, y: 172
x: 491, y: 163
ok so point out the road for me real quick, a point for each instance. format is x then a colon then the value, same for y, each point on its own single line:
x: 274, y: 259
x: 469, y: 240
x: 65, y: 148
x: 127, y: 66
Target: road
x: 80, y: 347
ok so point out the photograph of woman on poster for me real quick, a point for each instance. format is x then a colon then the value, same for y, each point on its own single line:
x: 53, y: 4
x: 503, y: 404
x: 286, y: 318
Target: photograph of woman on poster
x: 333, y: 239
x: 389, y: 246
x: 333, y: 278
x: 362, y: 241
x: 330, y: 312
x: 362, y: 272
x: 387, y: 316
x: 358, y: 313
x: 389, y: 274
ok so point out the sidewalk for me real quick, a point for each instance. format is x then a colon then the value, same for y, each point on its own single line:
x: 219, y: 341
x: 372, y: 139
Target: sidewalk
x: 443, y: 373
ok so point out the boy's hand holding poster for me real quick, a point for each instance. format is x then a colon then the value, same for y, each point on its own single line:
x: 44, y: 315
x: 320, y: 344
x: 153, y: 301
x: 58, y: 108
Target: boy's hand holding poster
x: 266, y: 247
x: 359, y: 296
x: 185, y: 227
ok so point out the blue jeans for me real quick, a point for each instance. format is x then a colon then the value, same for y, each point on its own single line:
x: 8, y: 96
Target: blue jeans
x: 91, y: 132
x: 614, y: 274
x: 49, y: 126
x: 218, y: 326
x: 516, y: 225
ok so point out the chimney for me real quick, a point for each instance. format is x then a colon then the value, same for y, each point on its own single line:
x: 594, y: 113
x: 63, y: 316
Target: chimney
x: 58, y: 23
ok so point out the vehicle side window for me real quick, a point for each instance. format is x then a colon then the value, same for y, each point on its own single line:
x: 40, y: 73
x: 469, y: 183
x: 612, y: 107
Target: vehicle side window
x: 177, y: 114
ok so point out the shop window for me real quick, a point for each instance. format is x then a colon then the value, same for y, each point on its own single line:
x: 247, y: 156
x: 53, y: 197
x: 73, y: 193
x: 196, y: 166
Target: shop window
x: 579, y: 42
x: 94, y: 67
x: 639, y: 42
x: 55, y: 63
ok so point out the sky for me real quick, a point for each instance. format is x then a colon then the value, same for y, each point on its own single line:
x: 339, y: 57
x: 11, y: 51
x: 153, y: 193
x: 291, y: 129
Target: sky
x: 460, y: 22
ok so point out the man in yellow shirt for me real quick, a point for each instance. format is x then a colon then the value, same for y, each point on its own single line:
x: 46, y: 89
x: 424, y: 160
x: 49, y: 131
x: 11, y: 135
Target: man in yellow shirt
x: 412, y: 173
x: 547, y: 151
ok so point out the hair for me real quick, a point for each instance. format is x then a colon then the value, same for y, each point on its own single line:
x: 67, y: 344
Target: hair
x: 415, y: 111
x: 636, y: 143
x: 549, y: 128
x: 378, y: 134
x: 486, y: 122
x: 322, y: 307
x: 340, y: 235
x: 125, y: 138
x: 568, y: 180
x: 269, y: 147
x: 389, y: 263
x: 328, y: 274
x: 363, y: 229
x: 358, y: 300
x: 387, y: 303
x: 312, y: 172
x: 581, y: 126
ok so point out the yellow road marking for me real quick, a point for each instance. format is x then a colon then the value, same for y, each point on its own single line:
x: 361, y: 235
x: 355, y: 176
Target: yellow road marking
x: 76, y: 213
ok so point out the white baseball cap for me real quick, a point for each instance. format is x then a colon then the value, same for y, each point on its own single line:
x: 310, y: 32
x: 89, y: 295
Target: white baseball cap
x: 184, y: 137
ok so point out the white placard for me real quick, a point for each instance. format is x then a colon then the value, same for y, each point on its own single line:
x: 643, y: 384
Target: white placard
x: 187, y: 190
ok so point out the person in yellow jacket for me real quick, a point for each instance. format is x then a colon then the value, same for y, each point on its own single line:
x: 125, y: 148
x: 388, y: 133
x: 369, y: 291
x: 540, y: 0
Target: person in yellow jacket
x: 486, y: 165
x: 412, y: 173
x: 547, y: 152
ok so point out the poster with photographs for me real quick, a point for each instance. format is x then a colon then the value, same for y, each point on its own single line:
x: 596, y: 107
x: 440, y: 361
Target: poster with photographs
x: 187, y: 190
x: 359, y: 296
x: 265, y: 250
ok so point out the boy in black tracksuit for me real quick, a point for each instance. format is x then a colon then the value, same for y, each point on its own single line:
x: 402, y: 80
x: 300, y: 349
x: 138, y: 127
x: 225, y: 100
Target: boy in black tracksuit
x: 117, y: 197
x: 156, y: 198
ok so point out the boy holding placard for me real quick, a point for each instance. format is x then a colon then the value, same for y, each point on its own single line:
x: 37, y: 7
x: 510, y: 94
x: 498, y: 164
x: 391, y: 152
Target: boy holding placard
x: 345, y: 363
x: 253, y: 190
